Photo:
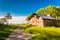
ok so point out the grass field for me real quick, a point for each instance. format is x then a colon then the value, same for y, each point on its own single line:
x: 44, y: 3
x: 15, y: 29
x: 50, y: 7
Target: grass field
x: 45, y: 33
x: 56, y: 29
x: 5, y: 30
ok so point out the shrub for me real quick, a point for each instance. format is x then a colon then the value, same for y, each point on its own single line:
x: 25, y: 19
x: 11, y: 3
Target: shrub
x: 48, y: 33
x: 57, y: 23
x: 24, y: 26
x: 34, y: 30
x: 5, y: 30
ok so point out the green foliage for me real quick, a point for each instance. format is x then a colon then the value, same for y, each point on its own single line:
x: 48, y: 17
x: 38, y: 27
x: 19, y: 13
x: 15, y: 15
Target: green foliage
x: 57, y: 23
x: 3, y: 20
x: 47, y: 33
x: 7, y: 17
x: 34, y: 30
x: 52, y: 10
x: 5, y: 30
x: 41, y: 10
x: 29, y: 16
x: 25, y: 26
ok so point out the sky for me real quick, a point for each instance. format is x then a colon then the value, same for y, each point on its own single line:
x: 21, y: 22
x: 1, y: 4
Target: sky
x: 22, y: 8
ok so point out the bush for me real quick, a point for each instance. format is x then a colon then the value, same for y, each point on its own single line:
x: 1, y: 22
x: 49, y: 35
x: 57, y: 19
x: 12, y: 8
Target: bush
x: 34, y: 30
x: 43, y: 33
x: 24, y: 26
x: 5, y: 30
x: 57, y: 23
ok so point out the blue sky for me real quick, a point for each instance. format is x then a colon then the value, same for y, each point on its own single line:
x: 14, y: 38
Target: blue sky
x: 24, y: 7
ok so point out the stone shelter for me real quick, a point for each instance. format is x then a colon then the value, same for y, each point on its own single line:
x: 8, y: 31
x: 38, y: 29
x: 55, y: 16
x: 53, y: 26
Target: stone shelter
x: 40, y: 20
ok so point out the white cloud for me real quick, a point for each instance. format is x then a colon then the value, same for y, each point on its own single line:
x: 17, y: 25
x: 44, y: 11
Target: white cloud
x: 57, y: 6
x: 1, y: 17
x: 17, y: 19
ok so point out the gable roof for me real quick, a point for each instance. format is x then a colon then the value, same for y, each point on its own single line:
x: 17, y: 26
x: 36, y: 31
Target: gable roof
x: 45, y: 17
x: 39, y: 15
x: 30, y: 16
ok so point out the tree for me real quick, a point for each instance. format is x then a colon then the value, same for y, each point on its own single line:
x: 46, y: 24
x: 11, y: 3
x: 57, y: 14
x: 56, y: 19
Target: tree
x: 8, y: 16
x: 51, y: 10
x: 3, y: 20
x: 41, y: 10
x: 58, y: 10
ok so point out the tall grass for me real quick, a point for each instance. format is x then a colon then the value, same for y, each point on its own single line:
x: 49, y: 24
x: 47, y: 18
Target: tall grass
x: 5, y: 30
x: 46, y: 33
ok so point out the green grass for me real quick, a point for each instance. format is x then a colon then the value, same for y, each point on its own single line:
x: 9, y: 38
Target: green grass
x: 5, y: 30
x: 46, y: 33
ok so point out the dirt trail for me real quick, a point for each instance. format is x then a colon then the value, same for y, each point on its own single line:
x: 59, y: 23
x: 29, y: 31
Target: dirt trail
x: 19, y: 35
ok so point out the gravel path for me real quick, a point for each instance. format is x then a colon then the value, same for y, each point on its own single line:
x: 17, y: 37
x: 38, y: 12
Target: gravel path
x: 19, y: 35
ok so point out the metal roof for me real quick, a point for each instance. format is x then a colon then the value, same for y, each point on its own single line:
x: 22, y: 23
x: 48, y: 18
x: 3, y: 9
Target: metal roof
x: 45, y: 17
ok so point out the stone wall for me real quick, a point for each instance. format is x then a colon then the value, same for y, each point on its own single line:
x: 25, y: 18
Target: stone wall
x: 48, y: 22
x: 33, y: 20
x: 36, y: 21
x: 40, y: 22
